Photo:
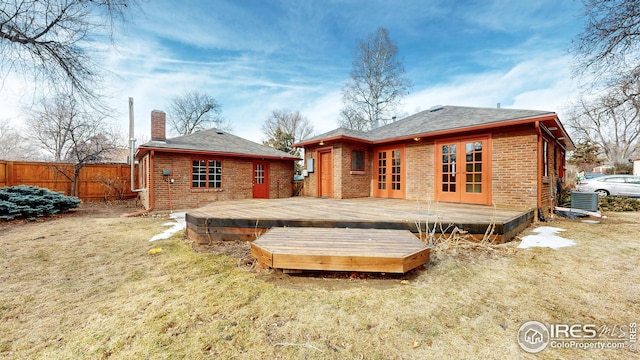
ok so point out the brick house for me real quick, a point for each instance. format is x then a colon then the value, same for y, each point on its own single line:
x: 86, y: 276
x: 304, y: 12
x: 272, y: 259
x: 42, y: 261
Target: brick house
x: 194, y: 170
x: 489, y: 156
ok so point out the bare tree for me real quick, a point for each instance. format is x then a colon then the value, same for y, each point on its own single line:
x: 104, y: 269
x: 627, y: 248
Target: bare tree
x: 611, y: 121
x: 195, y: 111
x: 284, y: 128
x: 14, y: 146
x: 72, y: 134
x: 377, y: 83
x: 48, y: 39
x: 291, y: 123
x: 350, y: 119
x: 51, y: 121
x: 609, y: 46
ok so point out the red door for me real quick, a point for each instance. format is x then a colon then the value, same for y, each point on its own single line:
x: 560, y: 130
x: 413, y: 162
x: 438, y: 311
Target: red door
x: 325, y: 185
x: 463, y: 171
x: 260, y: 180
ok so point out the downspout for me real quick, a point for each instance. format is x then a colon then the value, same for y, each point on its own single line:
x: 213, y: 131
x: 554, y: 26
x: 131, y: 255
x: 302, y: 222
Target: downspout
x: 538, y: 167
x: 132, y: 147
x: 132, y: 162
x: 152, y: 183
x: 151, y: 192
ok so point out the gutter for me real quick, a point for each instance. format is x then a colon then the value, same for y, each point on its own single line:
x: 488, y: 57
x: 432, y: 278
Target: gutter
x: 143, y: 149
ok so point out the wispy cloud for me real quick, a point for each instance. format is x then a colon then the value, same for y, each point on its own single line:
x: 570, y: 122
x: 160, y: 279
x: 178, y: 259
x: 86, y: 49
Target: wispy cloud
x: 255, y: 56
x: 517, y: 16
x: 542, y: 83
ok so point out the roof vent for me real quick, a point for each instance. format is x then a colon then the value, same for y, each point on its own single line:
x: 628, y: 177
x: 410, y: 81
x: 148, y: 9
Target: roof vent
x: 219, y: 132
x: 436, y: 108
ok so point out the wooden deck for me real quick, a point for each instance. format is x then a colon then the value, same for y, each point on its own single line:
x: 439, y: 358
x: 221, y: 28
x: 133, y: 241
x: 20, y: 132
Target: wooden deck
x: 367, y: 250
x: 248, y: 219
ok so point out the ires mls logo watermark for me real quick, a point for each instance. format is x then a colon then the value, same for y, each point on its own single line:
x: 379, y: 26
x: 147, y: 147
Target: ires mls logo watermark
x: 534, y: 336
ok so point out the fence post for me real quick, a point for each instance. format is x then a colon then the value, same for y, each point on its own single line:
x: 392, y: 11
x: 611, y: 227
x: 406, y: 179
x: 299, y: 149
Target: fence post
x: 9, y: 173
x: 3, y: 173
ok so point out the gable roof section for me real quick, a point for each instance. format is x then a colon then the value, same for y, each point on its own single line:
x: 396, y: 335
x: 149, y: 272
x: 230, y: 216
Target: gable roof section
x: 215, y: 142
x: 444, y: 120
x: 339, y: 133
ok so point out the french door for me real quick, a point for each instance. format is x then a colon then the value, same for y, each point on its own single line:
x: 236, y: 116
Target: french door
x: 389, y: 173
x: 463, y: 173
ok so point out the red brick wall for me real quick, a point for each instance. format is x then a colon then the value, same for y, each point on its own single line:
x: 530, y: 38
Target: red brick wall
x: 354, y: 184
x: 158, y: 125
x: 514, y: 170
x: 347, y: 184
x: 514, y: 165
x: 237, y: 181
x: 280, y: 179
x: 420, y: 170
x: 338, y: 170
x: 310, y: 187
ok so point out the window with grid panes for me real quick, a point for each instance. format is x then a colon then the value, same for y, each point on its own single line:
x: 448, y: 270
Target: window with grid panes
x: 206, y: 174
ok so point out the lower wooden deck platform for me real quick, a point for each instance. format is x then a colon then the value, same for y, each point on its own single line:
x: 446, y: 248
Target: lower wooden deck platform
x: 248, y: 219
x: 363, y: 250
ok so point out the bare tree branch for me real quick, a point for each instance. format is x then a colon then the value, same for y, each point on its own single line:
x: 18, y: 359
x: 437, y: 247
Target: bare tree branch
x: 611, y: 121
x: 49, y: 40
x: 289, y: 122
x: 609, y: 47
x: 377, y: 83
x: 194, y: 111
x: 71, y: 133
x: 284, y: 128
x: 14, y: 146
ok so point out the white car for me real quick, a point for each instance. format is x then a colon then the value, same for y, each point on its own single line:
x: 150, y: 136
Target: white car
x: 624, y: 185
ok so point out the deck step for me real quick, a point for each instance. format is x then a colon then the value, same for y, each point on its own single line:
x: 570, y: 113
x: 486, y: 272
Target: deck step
x: 340, y: 249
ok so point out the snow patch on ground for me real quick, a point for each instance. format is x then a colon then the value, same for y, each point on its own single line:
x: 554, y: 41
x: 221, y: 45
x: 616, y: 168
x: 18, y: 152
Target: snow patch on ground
x: 545, y: 237
x: 179, y: 224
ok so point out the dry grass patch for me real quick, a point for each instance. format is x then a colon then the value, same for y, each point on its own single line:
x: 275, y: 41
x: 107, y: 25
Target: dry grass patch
x: 88, y: 288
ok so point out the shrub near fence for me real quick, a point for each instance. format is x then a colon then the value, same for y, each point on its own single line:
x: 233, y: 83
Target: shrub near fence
x: 96, y: 181
x: 30, y: 201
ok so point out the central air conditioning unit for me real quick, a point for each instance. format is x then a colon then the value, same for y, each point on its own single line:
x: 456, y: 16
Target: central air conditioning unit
x: 584, y: 201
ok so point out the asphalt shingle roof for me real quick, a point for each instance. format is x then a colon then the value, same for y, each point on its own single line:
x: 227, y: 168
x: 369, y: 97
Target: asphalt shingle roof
x: 217, y: 141
x: 445, y: 118
x: 450, y: 118
x: 340, y: 132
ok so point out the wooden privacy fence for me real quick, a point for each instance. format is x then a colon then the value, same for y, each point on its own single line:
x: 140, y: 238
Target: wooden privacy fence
x: 96, y: 181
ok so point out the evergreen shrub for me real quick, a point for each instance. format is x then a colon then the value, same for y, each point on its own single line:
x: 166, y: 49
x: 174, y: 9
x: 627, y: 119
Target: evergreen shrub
x: 618, y: 203
x: 31, y: 201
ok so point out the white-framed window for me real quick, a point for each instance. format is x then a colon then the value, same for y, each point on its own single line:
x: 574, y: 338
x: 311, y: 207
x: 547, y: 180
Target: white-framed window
x: 206, y: 174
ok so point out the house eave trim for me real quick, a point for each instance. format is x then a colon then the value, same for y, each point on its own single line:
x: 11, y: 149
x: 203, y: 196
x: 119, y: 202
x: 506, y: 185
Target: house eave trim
x: 337, y: 138
x: 482, y: 127
x: 143, y: 150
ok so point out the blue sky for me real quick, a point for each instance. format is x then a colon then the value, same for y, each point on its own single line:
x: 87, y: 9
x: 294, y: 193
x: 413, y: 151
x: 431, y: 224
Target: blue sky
x: 257, y: 56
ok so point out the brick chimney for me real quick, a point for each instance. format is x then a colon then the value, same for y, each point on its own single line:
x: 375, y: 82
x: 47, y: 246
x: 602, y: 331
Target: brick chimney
x: 158, y: 125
